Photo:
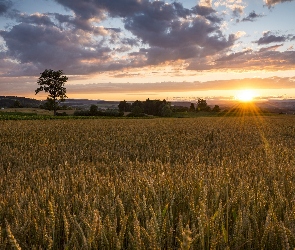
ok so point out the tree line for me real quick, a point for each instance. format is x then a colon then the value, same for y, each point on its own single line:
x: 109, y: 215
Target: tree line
x: 52, y: 82
x: 162, y: 108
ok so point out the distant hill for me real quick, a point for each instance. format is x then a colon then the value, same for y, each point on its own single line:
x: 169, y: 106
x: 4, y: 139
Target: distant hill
x: 18, y: 102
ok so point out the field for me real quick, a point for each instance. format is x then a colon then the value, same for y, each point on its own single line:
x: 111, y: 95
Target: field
x: 189, y: 183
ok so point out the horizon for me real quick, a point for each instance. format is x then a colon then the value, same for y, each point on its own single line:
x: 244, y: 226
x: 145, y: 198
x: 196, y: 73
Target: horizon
x: 139, y: 49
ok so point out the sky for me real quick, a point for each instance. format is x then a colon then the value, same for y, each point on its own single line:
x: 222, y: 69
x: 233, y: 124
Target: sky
x: 139, y: 49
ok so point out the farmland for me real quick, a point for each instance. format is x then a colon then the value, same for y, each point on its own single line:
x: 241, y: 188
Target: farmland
x: 190, y: 183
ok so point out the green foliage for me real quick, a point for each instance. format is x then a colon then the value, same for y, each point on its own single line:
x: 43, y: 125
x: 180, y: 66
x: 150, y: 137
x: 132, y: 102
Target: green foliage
x: 136, y: 111
x: 49, y: 104
x: 53, y: 82
x: 166, y: 111
x: 148, y: 107
x: 93, y: 109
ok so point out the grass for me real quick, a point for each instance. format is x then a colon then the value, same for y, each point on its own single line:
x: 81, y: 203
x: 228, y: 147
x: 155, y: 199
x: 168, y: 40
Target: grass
x: 198, y: 183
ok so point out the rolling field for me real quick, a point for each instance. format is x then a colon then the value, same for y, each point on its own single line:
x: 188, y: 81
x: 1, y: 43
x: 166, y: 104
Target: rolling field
x: 198, y: 183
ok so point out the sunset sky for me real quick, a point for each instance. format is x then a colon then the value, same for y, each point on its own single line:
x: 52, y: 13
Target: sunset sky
x: 135, y: 49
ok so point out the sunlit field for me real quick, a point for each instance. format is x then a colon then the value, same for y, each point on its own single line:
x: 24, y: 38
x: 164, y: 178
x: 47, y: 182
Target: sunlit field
x: 198, y: 183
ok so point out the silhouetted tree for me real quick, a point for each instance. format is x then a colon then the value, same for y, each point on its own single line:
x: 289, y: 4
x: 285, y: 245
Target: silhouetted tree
x: 93, y: 109
x: 202, y: 105
x: 124, y: 106
x: 192, y: 108
x: 216, y: 108
x: 53, y: 82
x: 166, y: 110
x: 48, y: 105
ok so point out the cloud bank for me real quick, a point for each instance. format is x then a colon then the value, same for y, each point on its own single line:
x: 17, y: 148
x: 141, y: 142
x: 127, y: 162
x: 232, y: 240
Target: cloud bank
x: 157, y: 33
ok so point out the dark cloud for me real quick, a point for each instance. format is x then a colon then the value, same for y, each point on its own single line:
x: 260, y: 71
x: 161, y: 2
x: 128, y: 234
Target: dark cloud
x: 203, y: 10
x: 172, y: 38
x: 233, y: 56
x: 237, y: 11
x: 251, y: 17
x: 67, y: 21
x: 268, y: 37
x: 271, y: 3
x: 264, y: 59
x: 5, y: 6
x: 97, y: 9
x: 206, y: 12
x: 36, y: 19
x: 52, y: 47
x: 274, y: 47
x: 161, y: 32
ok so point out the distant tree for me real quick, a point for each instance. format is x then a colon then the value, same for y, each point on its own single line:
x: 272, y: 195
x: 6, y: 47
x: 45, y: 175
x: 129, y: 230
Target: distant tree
x: 202, y: 105
x: 17, y: 104
x: 124, y: 106
x: 192, y: 108
x: 53, y: 82
x: 216, y: 108
x: 166, y: 111
x: 154, y: 107
x: 49, y: 104
x: 137, y: 110
x: 137, y: 103
x: 93, y: 109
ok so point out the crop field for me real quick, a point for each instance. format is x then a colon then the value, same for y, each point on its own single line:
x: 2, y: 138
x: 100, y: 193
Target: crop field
x: 190, y: 183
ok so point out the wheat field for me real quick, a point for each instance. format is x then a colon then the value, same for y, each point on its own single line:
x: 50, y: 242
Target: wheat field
x: 196, y: 183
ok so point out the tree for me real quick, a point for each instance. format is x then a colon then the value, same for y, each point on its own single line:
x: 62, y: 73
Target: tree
x: 216, y: 108
x: 166, y: 111
x: 202, y: 105
x: 53, y: 82
x: 192, y: 108
x: 124, y: 106
x: 93, y: 109
x: 17, y: 104
x: 48, y: 105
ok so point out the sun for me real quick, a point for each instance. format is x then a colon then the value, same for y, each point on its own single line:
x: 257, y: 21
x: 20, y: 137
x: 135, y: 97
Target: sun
x: 245, y: 95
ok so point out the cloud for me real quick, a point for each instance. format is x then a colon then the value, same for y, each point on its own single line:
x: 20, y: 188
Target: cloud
x: 251, y: 17
x: 90, y: 9
x: 268, y: 59
x: 274, y: 47
x: 237, y: 11
x: 233, y: 56
x: 261, y: 83
x: 271, y: 3
x: 268, y: 37
x: 76, y: 43
x: 5, y: 6
x: 27, y: 85
x: 36, y: 18
x: 48, y: 46
x: 236, y: 6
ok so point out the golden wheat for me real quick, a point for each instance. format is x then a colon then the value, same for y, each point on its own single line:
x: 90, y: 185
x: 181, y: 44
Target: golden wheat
x: 204, y: 183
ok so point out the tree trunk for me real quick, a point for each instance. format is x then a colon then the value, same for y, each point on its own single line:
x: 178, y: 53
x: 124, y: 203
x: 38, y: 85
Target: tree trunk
x: 54, y: 106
